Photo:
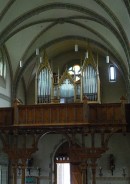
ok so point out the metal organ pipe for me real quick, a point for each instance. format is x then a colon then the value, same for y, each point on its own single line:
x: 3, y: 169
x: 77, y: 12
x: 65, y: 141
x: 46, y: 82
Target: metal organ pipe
x: 90, y: 83
x: 43, y: 89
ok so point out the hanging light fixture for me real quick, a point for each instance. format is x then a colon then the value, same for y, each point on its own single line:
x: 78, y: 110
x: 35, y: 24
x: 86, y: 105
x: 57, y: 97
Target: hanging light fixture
x: 20, y: 64
x: 107, y: 59
x: 76, y: 47
x: 86, y: 55
x: 40, y: 59
x: 37, y: 51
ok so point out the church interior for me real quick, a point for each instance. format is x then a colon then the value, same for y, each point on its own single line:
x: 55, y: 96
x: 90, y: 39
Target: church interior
x: 64, y: 92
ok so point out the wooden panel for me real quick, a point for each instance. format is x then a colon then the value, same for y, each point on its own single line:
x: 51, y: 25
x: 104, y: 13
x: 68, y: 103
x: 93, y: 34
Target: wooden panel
x: 110, y: 114
x: 105, y: 113
x: 70, y: 114
x: 76, y: 176
x: 114, y: 113
x: 117, y: 113
x: 92, y: 116
x: 6, y: 116
x: 127, y: 113
x: 9, y: 116
x: 22, y: 116
x: 62, y: 114
x: 46, y: 115
x: 101, y: 114
x: 38, y: 115
x: 79, y: 114
x: 30, y: 115
x: 54, y: 115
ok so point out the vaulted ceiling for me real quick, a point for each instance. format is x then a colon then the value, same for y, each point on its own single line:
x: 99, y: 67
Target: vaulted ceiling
x: 57, y: 25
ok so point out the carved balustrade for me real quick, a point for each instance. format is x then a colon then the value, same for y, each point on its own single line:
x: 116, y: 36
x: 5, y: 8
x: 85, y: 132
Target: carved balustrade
x: 63, y: 115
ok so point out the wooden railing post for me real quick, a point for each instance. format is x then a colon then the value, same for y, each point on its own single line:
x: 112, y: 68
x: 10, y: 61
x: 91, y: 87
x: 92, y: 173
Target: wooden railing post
x: 23, y: 167
x: 14, y: 168
x: 94, y: 175
x: 123, y: 101
x: 15, y: 105
x: 83, y: 171
x: 93, y: 168
x: 85, y: 111
x: 19, y: 155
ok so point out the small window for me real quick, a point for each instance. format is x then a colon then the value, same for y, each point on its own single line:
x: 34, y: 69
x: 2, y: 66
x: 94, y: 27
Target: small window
x: 112, y: 73
x: 2, y: 64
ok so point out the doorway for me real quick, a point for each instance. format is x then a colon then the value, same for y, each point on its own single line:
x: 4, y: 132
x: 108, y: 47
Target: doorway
x: 66, y: 171
x: 63, y: 173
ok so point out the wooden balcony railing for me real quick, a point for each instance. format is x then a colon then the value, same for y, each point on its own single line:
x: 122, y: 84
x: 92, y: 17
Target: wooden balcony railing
x: 6, y: 116
x: 50, y: 114
x: 106, y: 113
x: 63, y: 114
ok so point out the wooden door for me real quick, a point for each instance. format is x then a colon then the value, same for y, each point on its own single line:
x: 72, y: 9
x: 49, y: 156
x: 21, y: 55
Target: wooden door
x: 76, y: 176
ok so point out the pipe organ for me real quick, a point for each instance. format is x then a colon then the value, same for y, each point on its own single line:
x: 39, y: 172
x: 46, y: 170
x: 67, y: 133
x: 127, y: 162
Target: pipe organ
x: 82, y: 83
x: 90, y: 76
x: 44, y: 82
x: 44, y: 86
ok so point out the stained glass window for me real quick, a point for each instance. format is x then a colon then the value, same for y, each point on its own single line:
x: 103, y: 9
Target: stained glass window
x: 75, y: 71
